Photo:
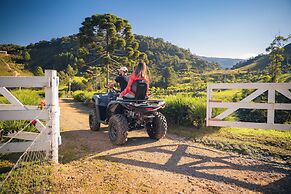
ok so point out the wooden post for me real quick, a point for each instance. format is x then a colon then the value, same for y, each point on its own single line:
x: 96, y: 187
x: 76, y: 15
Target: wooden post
x: 208, y: 107
x: 271, y: 112
x: 52, y: 101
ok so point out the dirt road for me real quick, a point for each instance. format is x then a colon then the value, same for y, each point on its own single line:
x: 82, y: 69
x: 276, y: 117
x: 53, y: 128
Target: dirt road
x: 91, y: 164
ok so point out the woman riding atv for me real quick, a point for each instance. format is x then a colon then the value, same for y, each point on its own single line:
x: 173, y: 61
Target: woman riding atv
x: 123, y: 115
x: 139, y: 75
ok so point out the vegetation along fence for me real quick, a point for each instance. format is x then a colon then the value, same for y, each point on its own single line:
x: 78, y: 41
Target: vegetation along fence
x: 258, y: 89
x: 46, y: 118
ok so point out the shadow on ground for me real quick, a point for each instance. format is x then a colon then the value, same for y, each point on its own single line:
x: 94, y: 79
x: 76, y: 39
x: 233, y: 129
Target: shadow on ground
x: 202, y: 163
x: 78, y: 144
x: 204, y: 167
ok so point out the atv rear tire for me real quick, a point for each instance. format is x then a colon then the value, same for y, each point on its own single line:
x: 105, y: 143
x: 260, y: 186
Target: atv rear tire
x: 118, y: 128
x: 94, y: 125
x: 157, y: 129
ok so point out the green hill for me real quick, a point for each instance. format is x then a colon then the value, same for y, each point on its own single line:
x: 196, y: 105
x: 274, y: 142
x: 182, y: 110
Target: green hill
x: 59, y: 52
x: 162, y: 54
x: 260, y: 62
x: 8, y: 67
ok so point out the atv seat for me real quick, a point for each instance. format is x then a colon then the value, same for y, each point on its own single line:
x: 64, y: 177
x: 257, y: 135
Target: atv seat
x: 139, y: 88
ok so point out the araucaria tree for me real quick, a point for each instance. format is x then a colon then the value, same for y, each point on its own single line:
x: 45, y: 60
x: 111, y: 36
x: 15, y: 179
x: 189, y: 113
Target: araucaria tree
x: 169, y: 76
x: 109, y: 41
x: 276, y: 57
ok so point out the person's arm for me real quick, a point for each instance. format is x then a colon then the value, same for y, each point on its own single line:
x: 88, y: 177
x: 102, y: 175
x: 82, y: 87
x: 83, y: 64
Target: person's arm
x: 110, y: 85
x: 128, y: 87
x: 117, y: 80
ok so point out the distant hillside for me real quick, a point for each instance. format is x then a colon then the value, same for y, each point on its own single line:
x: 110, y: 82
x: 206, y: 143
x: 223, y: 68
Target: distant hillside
x: 9, y: 68
x: 162, y: 54
x: 261, y: 61
x: 60, y: 52
x: 223, y: 62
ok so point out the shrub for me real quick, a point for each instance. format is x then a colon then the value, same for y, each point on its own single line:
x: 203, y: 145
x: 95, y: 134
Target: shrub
x: 82, y: 96
x: 79, y: 95
x: 186, y: 111
x: 78, y: 85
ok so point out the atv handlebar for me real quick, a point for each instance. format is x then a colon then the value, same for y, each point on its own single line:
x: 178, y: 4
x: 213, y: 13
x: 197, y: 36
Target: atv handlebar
x: 112, y: 89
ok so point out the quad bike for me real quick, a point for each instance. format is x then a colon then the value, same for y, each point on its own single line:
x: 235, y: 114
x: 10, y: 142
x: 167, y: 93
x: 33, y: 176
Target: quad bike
x: 123, y: 115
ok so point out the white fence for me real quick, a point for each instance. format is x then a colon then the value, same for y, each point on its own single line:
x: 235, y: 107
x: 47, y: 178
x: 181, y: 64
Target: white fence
x: 50, y: 132
x: 246, y: 103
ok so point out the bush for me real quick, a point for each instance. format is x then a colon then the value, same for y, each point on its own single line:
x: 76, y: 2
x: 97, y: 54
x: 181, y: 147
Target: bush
x: 78, y: 85
x: 79, y: 95
x: 186, y: 111
x: 82, y: 96
x: 62, y: 93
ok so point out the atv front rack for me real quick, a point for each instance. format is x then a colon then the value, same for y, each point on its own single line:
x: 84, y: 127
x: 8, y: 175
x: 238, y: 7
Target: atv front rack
x: 141, y: 102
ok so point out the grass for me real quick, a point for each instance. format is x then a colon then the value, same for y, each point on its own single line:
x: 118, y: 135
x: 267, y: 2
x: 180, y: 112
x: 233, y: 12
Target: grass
x: 247, y: 67
x: 9, y: 68
x: 27, y: 97
x: 185, y: 110
x: 253, y: 142
x: 28, y: 177
x: 226, y: 95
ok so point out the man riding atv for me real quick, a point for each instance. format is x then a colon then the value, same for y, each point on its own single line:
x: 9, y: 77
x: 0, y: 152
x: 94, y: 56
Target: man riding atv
x: 121, y: 79
x: 132, y: 111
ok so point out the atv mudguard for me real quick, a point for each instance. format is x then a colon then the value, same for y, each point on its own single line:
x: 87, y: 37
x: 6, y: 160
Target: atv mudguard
x: 114, y: 107
x: 100, y: 108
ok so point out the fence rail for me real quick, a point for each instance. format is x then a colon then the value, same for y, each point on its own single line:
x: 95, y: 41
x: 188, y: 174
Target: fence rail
x: 50, y: 137
x: 246, y: 103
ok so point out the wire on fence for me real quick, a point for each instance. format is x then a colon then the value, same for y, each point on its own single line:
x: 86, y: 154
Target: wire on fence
x: 31, y: 172
x: 21, y: 130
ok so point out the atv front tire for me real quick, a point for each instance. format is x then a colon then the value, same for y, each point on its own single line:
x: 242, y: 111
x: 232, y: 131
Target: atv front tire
x: 157, y: 129
x: 94, y: 125
x: 118, y: 128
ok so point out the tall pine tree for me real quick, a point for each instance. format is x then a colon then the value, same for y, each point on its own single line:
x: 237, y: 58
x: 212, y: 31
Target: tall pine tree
x: 276, y: 57
x: 109, y: 40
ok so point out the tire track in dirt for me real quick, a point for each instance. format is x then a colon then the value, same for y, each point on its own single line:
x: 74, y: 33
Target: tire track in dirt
x: 91, y: 164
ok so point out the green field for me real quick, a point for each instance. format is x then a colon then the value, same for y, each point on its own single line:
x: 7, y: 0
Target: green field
x: 265, y: 144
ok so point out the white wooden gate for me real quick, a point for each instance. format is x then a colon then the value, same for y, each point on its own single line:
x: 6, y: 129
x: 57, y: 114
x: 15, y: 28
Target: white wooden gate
x: 50, y: 132
x: 246, y: 103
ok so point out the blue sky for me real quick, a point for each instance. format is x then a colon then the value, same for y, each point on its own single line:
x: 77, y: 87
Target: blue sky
x: 222, y: 28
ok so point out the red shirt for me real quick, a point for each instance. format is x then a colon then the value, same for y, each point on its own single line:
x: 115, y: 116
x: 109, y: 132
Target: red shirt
x: 132, y: 78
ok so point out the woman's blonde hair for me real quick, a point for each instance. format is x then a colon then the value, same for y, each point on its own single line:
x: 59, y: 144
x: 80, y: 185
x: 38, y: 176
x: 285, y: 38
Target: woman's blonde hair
x: 141, y: 70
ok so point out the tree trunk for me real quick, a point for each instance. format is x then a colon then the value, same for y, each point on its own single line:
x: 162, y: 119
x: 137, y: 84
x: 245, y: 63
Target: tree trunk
x: 107, y: 64
x: 107, y: 75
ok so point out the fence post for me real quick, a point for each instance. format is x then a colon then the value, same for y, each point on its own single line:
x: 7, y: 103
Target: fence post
x: 208, y: 107
x: 52, y: 101
x: 271, y: 112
